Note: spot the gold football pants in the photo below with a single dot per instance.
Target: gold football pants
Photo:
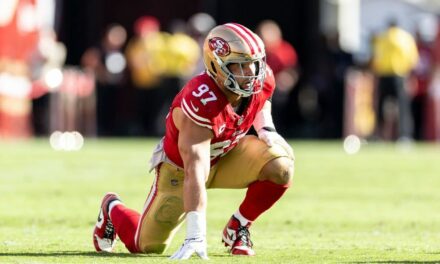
(163, 211)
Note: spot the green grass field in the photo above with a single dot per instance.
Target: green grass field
(381, 205)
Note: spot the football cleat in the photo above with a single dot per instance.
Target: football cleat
(104, 235)
(237, 238)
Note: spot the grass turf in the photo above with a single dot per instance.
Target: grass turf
(381, 205)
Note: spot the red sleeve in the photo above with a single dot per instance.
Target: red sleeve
(200, 104)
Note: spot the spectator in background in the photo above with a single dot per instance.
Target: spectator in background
(47, 60)
(334, 65)
(139, 52)
(199, 26)
(184, 51)
(157, 60)
(394, 56)
(181, 54)
(18, 42)
(420, 79)
(282, 58)
(433, 94)
(146, 66)
(108, 64)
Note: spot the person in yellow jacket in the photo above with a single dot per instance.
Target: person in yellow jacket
(394, 56)
(157, 60)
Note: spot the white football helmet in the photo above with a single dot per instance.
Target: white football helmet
(234, 43)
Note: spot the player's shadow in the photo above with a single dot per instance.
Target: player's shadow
(91, 254)
(79, 253)
(397, 262)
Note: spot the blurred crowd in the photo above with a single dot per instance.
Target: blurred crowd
(125, 84)
(407, 86)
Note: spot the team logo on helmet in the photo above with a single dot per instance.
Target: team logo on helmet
(219, 46)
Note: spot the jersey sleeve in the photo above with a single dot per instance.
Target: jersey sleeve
(194, 105)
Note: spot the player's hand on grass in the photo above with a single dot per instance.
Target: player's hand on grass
(191, 246)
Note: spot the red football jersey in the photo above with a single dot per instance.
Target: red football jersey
(206, 105)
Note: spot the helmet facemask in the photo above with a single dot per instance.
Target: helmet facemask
(254, 83)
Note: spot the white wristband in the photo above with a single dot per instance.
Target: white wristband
(195, 224)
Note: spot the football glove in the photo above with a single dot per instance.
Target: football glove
(191, 246)
(272, 138)
(195, 241)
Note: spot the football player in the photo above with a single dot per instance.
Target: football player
(206, 146)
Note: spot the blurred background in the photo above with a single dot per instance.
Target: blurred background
(109, 68)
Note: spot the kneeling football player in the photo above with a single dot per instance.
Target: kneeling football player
(206, 146)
